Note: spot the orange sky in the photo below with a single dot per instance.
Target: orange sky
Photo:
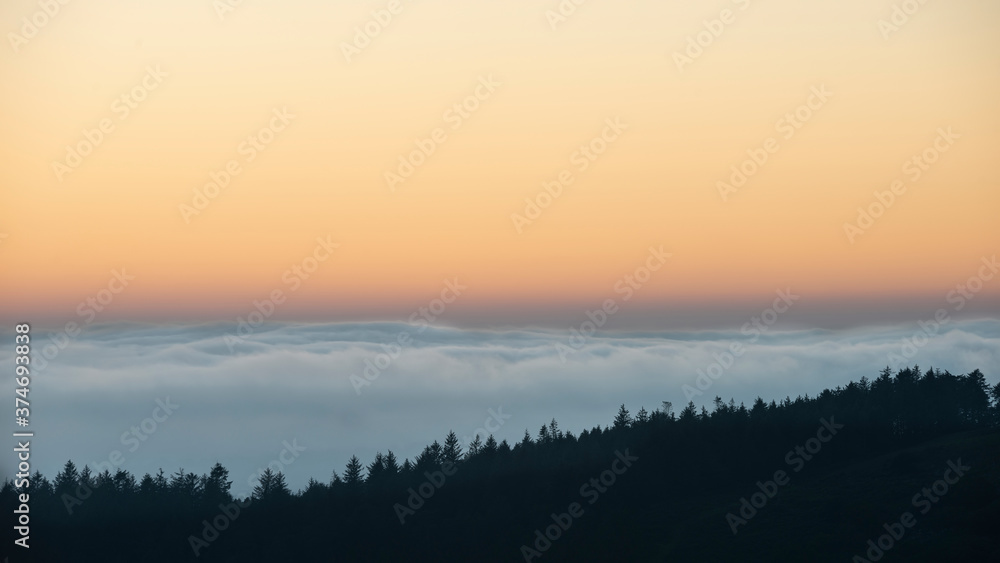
(222, 78)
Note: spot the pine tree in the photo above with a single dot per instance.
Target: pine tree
(40, 486)
(474, 447)
(688, 414)
(177, 481)
(543, 435)
(281, 490)
(376, 469)
(353, 476)
(436, 452)
(622, 420)
(642, 417)
(160, 481)
(315, 488)
(123, 482)
(977, 392)
(67, 479)
(187, 485)
(429, 459)
(526, 441)
(720, 407)
(265, 485)
(554, 432)
(452, 448)
(271, 486)
(216, 484)
(490, 447)
(86, 480)
(147, 486)
(668, 409)
(104, 480)
(391, 466)
(504, 447)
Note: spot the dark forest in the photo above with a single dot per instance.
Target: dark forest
(823, 478)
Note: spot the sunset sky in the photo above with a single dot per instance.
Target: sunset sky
(546, 87)
(501, 173)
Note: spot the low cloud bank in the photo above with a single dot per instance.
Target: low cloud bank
(357, 388)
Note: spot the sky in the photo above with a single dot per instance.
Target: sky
(530, 205)
(504, 99)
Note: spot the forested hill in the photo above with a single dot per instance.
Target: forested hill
(905, 467)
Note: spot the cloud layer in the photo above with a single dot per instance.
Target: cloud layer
(240, 401)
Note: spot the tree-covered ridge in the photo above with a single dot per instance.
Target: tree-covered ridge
(484, 502)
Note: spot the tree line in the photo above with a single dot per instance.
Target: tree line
(482, 502)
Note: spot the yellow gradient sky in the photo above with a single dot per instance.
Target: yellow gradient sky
(324, 174)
